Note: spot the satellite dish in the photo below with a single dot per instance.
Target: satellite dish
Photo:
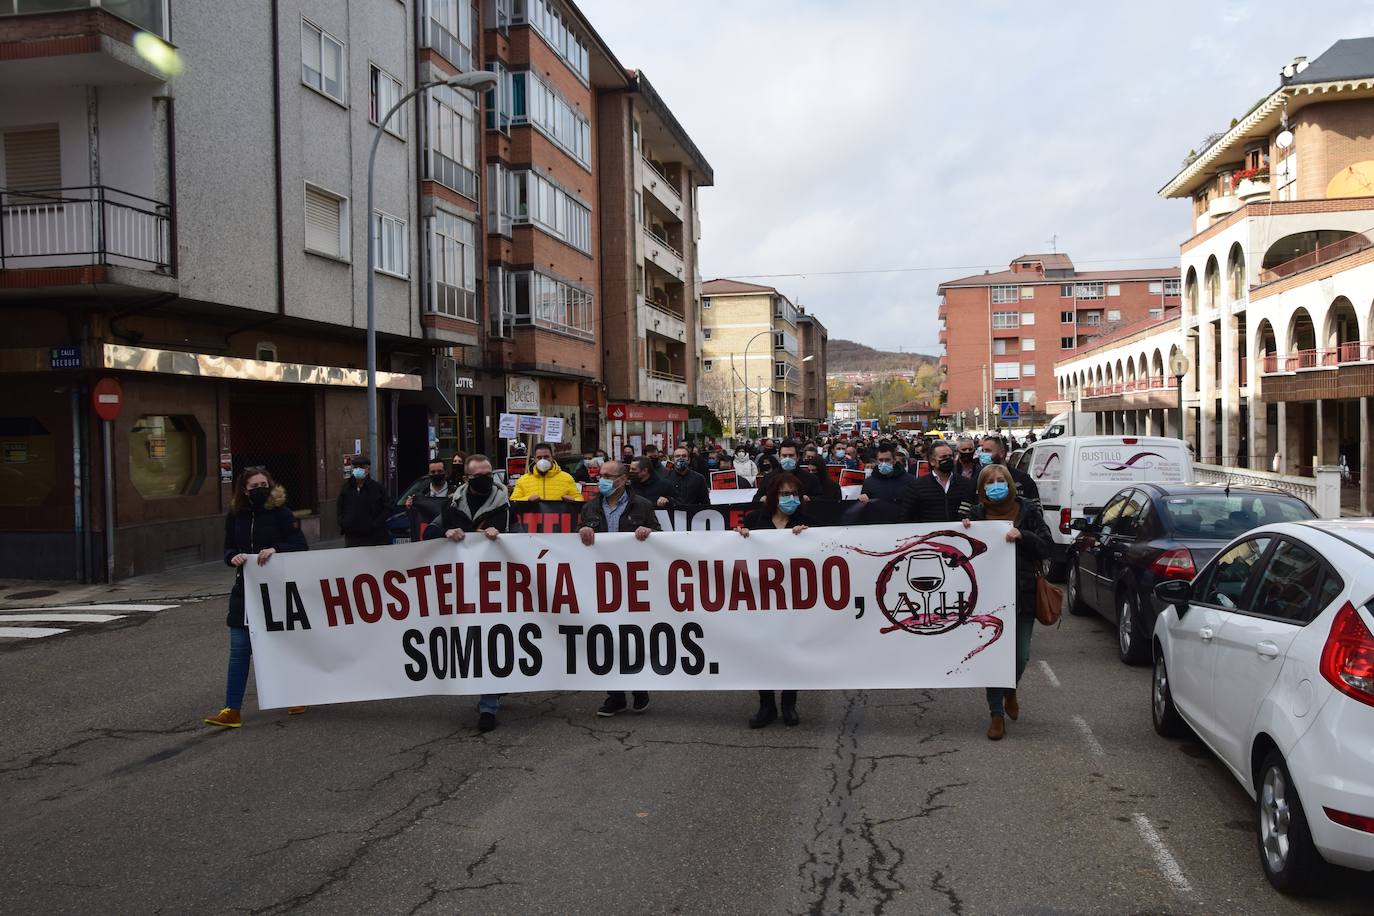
(1284, 139)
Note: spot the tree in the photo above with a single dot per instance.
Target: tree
(714, 391)
(836, 390)
(885, 395)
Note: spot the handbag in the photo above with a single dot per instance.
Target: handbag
(1049, 601)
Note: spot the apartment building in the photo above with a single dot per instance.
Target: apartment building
(650, 280)
(751, 337)
(1003, 332)
(1278, 286)
(814, 365)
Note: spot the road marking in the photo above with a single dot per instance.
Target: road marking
(1164, 860)
(1049, 673)
(29, 632)
(1094, 745)
(146, 608)
(60, 618)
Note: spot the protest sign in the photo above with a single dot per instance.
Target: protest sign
(724, 480)
(530, 426)
(515, 467)
(887, 606)
(849, 477)
(553, 429)
(834, 470)
(506, 426)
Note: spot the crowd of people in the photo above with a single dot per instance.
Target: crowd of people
(906, 479)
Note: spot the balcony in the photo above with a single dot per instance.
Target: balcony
(1316, 257)
(658, 252)
(1250, 190)
(77, 42)
(944, 336)
(662, 189)
(83, 226)
(1360, 351)
(659, 318)
(1218, 207)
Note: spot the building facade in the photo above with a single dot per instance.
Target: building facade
(1003, 332)
(1278, 286)
(815, 340)
(752, 358)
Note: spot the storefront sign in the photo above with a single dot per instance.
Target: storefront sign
(530, 426)
(522, 394)
(553, 429)
(645, 412)
(507, 426)
(881, 607)
(64, 357)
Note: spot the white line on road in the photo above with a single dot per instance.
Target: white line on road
(1164, 860)
(1049, 673)
(28, 632)
(1094, 745)
(5, 617)
(146, 608)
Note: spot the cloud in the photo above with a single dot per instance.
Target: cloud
(867, 134)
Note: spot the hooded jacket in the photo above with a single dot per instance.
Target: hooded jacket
(493, 513)
(555, 485)
(250, 530)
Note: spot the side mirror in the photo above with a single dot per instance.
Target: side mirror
(1079, 524)
(1175, 591)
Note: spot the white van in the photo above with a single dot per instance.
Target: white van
(1073, 423)
(1076, 475)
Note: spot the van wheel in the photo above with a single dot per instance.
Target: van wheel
(1289, 857)
(1076, 605)
(1132, 645)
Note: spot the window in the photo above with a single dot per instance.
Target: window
(165, 456)
(1004, 395)
(453, 267)
(321, 61)
(534, 102)
(705, 302)
(385, 92)
(1111, 514)
(999, 347)
(392, 244)
(553, 26)
(1156, 287)
(1006, 319)
(450, 30)
(32, 161)
(1027, 344)
(1113, 314)
(1289, 588)
(326, 222)
(539, 201)
(1089, 291)
(1157, 312)
(1066, 343)
(706, 333)
(1027, 369)
(545, 302)
(1092, 319)
(498, 99)
(1223, 585)
(500, 302)
(1066, 317)
(1113, 289)
(266, 351)
(28, 462)
(1028, 292)
(1004, 294)
(500, 199)
(1172, 287)
(707, 365)
(1027, 318)
(451, 156)
(781, 370)
(1066, 291)
(1006, 370)
(1028, 397)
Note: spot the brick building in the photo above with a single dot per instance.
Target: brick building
(1003, 332)
(814, 366)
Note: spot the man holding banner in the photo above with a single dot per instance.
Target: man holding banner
(619, 510)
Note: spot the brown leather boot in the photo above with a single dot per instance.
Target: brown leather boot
(1012, 707)
(997, 728)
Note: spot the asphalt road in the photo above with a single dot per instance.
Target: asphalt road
(116, 799)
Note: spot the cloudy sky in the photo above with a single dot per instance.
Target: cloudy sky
(854, 135)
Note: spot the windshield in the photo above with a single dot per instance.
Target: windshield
(1216, 516)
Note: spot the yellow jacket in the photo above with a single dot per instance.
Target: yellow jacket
(555, 485)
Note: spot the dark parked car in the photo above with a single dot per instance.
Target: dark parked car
(1148, 533)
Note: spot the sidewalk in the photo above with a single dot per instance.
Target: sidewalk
(204, 580)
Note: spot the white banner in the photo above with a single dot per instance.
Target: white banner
(890, 606)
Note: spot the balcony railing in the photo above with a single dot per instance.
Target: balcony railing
(1355, 351)
(667, 182)
(146, 14)
(1157, 383)
(665, 376)
(1348, 245)
(68, 227)
(663, 307)
(662, 241)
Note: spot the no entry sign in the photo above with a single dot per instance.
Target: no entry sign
(107, 399)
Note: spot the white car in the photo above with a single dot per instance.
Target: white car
(1268, 656)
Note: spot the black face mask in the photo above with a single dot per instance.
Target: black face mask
(481, 484)
(258, 496)
(945, 464)
(438, 479)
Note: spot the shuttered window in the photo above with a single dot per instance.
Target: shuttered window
(324, 222)
(32, 160)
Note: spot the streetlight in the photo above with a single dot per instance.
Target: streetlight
(747, 392)
(477, 80)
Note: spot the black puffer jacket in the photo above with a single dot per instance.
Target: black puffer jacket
(251, 530)
(1033, 547)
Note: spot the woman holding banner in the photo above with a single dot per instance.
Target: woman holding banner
(781, 508)
(999, 501)
(830, 488)
(258, 525)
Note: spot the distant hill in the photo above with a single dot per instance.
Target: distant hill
(852, 356)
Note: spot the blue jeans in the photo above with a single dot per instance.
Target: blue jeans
(240, 654)
(490, 702)
(1024, 624)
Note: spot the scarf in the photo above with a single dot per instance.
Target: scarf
(1008, 510)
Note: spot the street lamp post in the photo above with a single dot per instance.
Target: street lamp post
(477, 80)
(747, 392)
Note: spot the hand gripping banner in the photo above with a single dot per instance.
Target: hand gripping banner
(883, 606)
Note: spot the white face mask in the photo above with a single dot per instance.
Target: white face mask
(543, 464)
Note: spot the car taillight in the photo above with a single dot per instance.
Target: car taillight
(1174, 564)
(1348, 656)
(1065, 520)
(1353, 821)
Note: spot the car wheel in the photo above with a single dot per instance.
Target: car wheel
(1076, 605)
(1168, 723)
(1057, 571)
(1289, 857)
(1131, 643)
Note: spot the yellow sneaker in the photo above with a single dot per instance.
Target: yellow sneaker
(294, 710)
(227, 718)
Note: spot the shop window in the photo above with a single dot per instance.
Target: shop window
(165, 456)
(28, 463)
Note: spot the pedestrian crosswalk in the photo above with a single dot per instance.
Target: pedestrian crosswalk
(66, 618)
